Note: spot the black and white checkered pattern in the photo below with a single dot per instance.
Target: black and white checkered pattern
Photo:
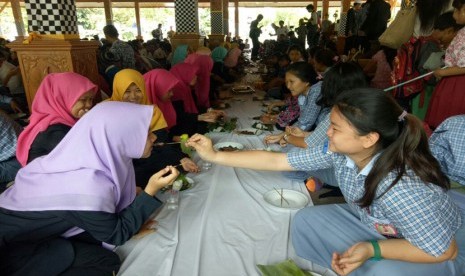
(217, 22)
(186, 16)
(342, 25)
(225, 26)
(52, 16)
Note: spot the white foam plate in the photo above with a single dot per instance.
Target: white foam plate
(243, 89)
(252, 130)
(295, 199)
(218, 146)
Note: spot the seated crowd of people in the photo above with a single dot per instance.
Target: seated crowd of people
(393, 155)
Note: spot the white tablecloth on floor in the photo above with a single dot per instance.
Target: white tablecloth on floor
(223, 226)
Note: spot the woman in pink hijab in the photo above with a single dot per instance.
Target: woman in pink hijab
(232, 58)
(192, 122)
(202, 88)
(159, 85)
(187, 74)
(61, 100)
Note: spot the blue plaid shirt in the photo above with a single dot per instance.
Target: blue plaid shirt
(319, 136)
(310, 112)
(448, 146)
(421, 213)
(9, 131)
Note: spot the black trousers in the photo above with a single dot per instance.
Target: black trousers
(255, 47)
(58, 257)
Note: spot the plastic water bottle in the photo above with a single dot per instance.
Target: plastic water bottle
(173, 199)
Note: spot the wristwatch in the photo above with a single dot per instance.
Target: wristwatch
(285, 137)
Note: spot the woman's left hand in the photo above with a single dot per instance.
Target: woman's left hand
(189, 166)
(147, 228)
(353, 258)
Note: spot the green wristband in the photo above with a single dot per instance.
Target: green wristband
(377, 256)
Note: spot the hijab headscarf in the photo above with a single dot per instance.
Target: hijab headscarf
(180, 54)
(202, 88)
(184, 72)
(158, 83)
(203, 51)
(123, 79)
(219, 53)
(55, 97)
(90, 169)
(233, 56)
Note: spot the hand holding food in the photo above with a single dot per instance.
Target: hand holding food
(161, 179)
(203, 146)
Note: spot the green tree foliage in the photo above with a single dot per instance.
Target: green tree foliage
(86, 17)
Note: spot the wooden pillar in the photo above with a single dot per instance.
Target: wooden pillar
(217, 35)
(57, 49)
(137, 8)
(108, 13)
(16, 8)
(225, 17)
(187, 24)
(236, 18)
(325, 8)
(315, 4)
(345, 6)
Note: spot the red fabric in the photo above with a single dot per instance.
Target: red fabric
(448, 100)
(159, 82)
(185, 72)
(202, 88)
(52, 104)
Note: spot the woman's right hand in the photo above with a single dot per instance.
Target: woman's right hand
(273, 139)
(161, 179)
(203, 145)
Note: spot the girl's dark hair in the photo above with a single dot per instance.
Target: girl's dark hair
(325, 57)
(342, 76)
(429, 11)
(446, 21)
(458, 4)
(312, 51)
(303, 71)
(110, 30)
(403, 144)
(297, 48)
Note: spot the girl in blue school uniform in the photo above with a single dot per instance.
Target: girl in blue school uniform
(398, 219)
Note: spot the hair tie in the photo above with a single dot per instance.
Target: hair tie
(402, 116)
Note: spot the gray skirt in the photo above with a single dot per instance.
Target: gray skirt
(318, 231)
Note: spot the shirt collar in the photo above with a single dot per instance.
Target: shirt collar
(366, 170)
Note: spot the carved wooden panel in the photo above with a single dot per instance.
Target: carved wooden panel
(36, 65)
(45, 56)
(85, 63)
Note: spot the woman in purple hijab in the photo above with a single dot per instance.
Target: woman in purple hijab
(66, 205)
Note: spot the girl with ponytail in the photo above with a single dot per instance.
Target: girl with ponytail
(398, 219)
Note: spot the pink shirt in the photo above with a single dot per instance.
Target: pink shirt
(455, 53)
(382, 78)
